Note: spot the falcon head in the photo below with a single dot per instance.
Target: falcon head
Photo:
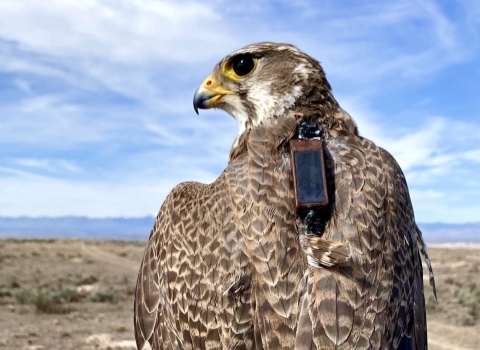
(263, 81)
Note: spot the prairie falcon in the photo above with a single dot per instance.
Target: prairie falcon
(235, 265)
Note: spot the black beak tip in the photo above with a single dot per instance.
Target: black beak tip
(197, 102)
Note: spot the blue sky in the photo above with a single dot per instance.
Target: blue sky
(96, 114)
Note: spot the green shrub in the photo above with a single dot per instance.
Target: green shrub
(23, 296)
(6, 256)
(466, 294)
(87, 280)
(44, 299)
(68, 295)
(48, 300)
(469, 297)
(109, 296)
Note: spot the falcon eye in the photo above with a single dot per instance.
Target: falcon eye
(243, 64)
(239, 66)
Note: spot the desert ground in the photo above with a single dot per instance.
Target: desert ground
(70, 294)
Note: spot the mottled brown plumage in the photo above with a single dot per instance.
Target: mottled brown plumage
(231, 265)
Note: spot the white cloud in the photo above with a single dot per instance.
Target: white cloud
(47, 121)
(411, 147)
(56, 165)
(428, 194)
(115, 42)
(128, 32)
(473, 155)
(128, 190)
(41, 103)
(22, 85)
(44, 196)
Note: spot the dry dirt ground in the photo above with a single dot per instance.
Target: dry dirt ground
(67, 294)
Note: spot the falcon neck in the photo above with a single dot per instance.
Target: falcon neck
(317, 102)
(317, 105)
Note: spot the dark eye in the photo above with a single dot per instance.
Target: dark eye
(243, 64)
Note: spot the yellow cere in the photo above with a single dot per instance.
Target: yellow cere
(211, 84)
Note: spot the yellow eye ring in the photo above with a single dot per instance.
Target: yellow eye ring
(240, 66)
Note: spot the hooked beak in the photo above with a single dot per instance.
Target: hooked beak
(208, 94)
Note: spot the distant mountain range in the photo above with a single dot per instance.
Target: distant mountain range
(139, 229)
(77, 227)
(441, 232)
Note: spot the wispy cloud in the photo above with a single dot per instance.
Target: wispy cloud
(127, 32)
(57, 165)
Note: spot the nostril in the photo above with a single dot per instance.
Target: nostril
(208, 83)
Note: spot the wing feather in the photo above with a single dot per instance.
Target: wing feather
(193, 254)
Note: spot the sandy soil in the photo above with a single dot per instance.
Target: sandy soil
(79, 295)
